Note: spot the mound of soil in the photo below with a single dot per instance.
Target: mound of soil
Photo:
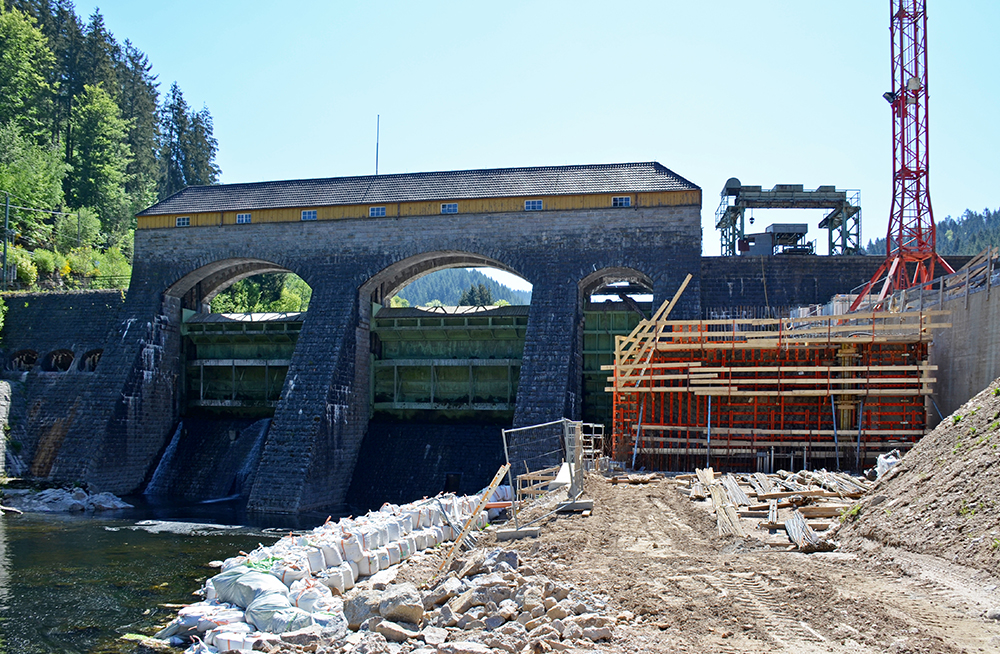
(943, 498)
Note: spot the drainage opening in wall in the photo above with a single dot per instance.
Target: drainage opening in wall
(452, 482)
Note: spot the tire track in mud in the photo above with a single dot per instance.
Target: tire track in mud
(758, 600)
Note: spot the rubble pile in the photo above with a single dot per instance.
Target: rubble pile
(334, 590)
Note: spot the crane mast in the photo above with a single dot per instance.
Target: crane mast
(910, 243)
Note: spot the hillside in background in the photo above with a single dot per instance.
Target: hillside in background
(970, 234)
(447, 286)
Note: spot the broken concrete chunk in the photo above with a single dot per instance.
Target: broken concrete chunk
(443, 592)
(361, 607)
(395, 632)
(463, 647)
(372, 643)
(494, 621)
(597, 633)
(434, 635)
(402, 603)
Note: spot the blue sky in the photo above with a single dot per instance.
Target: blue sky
(769, 92)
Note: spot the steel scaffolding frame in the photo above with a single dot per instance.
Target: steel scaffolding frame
(729, 393)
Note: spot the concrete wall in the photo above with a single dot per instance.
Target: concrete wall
(967, 354)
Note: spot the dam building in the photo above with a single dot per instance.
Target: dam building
(353, 401)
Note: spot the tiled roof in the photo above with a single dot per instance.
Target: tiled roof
(416, 187)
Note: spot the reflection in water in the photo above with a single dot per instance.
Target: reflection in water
(77, 583)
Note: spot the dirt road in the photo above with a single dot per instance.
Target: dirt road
(653, 553)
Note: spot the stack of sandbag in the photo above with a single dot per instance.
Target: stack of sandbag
(293, 583)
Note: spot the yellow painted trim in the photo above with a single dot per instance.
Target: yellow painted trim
(430, 208)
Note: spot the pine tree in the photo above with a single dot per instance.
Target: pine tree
(100, 159)
(26, 65)
(187, 145)
(137, 98)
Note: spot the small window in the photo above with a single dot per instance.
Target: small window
(243, 218)
(449, 207)
(621, 201)
(376, 212)
(532, 205)
(308, 214)
(183, 221)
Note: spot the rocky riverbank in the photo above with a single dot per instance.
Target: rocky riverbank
(61, 500)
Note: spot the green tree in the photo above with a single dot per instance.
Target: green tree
(187, 145)
(477, 295)
(138, 98)
(100, 159)
(33, 174)
(25, 66)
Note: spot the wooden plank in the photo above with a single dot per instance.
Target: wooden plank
(831, 511)
(803, 493)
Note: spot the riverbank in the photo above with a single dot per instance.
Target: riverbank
(648, 563)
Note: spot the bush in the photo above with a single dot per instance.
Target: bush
(45, 261)
(86, 224)
(82, 261)
(27, 273)
(111, 269)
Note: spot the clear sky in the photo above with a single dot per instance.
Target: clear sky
(766, 91)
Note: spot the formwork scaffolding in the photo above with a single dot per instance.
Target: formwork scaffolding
(755, 394)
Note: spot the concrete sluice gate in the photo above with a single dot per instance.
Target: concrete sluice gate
(364, 402)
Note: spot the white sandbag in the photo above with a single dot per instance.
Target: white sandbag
(242, 586)
(394, 553)
(290, 571)
(368, 565)
(383, 558)
(316, 559)
(349, 571)
(351, 547)
(332, 578)
(392, 529)
(383, 534)
(226, 641)
(233, 562)
(210, 593)
(310, 596)
(332, 554)
(355, 569)
(264, 608)
(407, 546)
(405, 523)
(421, 538)
(224, 615)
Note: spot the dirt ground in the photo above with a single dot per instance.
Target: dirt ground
(651, 553)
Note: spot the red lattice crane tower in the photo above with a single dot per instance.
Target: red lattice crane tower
(910, 242)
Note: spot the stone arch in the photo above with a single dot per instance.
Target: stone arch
(89, 360)
(598, 279)
(58, 361)
(394, 277)
(196, 289)
(23, 360)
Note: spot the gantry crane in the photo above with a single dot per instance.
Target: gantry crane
(910, 243)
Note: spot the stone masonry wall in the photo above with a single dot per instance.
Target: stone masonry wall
(118, 424)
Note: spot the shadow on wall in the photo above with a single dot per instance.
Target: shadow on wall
(402, 462)
(209, 459)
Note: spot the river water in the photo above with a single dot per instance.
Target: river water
(71, 583)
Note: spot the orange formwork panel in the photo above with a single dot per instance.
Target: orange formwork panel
(733, 394)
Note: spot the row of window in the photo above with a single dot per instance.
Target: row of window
(379, 212)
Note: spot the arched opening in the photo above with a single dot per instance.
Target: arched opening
(443, 378)
(57, 361)
(89, 361)
(240, 322)
(23, 360)
(613, 301)
(447, 337)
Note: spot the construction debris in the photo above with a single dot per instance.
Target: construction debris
(746, 504)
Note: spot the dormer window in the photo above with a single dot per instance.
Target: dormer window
(183, 221)
(376, 212)
(532, 205)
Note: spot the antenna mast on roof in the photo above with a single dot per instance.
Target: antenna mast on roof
(377, 119)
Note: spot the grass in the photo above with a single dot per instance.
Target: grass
(851, 513)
